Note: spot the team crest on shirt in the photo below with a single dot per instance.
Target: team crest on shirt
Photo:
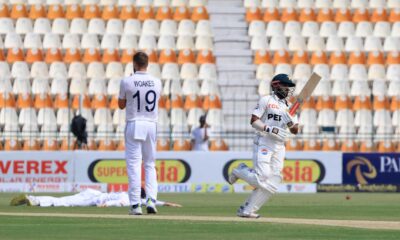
(264, 151)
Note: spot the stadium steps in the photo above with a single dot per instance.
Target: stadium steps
(236, 72)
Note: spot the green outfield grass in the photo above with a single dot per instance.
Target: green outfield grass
(362, 206)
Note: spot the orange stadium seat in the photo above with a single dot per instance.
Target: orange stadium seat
(3, 11)
(311, 145)
(163, 144)
(37, 11)
(262, 56)
(394, 103)
(300, 57)
(50, 144)
(106, 145)
(24, 101)
(145, 13)
(53, 55)
(186, 56)
(163, 13)
(330, 145)
(1, 146)
(324, 15)
(67, 144)
(281, 57)
(385, 146)
(349, 146)
(18, 11)
(375, 58)
(367, 146)
(181, 13)
(34, 55)
(360, 15)
(72, 55)
(337, 58)
(205, 56)
(127, 12)
(309, 103)
(30, 145)
(2, 58)
(177, 102)
(393, 58)
(12, 145)
(379, 15)
(120, 145)
(153, 58)
(362, 102)
(289, 14)
(113, 103)
(85, 102)
(167, 56)
(162, 102)
(43, 101)
(99, 101)
(211, 101)
(380, 102)
(7, 100)
(394, 16)
(343, 102)
(253, 14)
(110, 55)
(307, 15)
(271, 14)
(61, 101)
(127, 56)
(55, 11)
(192, 101)
(91, 11)
(199, 13)
(343, 15)
(182, 145)
(73, 11)
(110, 12)
(318, 57)
(324, 102)
(218, 145)
(356, 58)
(91, 55)
(15, 55)
(294, 145)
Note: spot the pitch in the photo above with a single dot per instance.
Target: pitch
(212, 216)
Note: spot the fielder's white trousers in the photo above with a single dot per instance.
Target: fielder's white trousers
(140, 143)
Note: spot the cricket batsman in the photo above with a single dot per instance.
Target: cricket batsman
(271, 119)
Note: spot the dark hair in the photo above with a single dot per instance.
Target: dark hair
(141, 59)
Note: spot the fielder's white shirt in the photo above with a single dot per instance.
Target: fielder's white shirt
(198, 137)
(273, 112)
(142, 92)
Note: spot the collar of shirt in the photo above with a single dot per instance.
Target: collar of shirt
(140, 72)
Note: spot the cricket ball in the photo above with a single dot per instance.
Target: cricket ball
(348, 197)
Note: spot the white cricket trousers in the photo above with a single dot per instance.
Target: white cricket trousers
(140, 143)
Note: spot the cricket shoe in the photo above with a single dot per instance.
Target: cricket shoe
(136, 210)
(233, 177)
(21, 199)
(242, 213)
(151, 206)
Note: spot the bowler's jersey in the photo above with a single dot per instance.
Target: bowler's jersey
(273, 112)
(142, 93)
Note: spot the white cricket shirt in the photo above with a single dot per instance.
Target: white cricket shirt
(273, 112)
(198, 137)
(142, 92)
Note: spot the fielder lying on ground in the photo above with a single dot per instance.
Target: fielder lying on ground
(86, 198)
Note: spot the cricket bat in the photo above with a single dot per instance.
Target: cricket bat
(305, 93)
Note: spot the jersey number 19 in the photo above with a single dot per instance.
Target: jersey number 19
(150, 98)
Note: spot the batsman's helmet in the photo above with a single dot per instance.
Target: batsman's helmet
(282, 86)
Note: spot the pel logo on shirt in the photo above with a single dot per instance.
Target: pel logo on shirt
(276, 117)
(33, 167)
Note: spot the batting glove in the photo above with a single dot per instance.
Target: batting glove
(277, 132)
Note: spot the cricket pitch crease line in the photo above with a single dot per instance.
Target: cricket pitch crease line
(387, 225)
